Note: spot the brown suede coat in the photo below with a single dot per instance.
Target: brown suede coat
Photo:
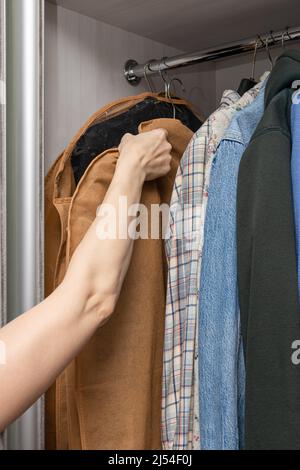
(110, 395)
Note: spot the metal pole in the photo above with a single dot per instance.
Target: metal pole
(3, 309)
(25, 25)
(134, 71)
(2, 164)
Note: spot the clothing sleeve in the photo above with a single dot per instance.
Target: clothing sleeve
(219, 333)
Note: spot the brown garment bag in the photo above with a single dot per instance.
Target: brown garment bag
(110, 396)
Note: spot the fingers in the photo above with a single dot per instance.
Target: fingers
(160, 164)
(161, 136)
(158, 136)
(125, 139)
(159, 167)
(163, 146)
(162, 133)
(166, 161)
(151, 151)
(166, 148)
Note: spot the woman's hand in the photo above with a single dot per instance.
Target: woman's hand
(149, 154)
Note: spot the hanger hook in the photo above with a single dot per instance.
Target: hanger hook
(147, 68)
(169, 92)
(170, 97)
(176, 80)
(272, 36)
(268, 51)
(258, 39)
(282, 39)
(163, 75)
(287, 34)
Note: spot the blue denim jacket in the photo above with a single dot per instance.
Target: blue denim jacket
(295, 167)
(221, 359)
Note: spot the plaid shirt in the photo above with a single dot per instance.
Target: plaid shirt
(180, 397)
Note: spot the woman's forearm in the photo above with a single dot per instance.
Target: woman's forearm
(104, 245)
(41, 343)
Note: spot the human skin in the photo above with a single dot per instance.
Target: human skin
(43, 341)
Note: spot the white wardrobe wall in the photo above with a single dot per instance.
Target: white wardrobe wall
(83, 70)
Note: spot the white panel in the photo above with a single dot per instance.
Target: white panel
(84, 62)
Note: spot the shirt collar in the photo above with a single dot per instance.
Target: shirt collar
(245, 121)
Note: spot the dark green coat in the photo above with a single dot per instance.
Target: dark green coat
(267, 272)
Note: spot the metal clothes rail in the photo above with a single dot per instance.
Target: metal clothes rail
(134, 72)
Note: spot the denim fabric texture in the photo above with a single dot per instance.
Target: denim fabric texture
(295, 166)
(221, 358)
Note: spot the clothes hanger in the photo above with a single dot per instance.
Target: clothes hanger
(248, 83)
(148, 81)
(272, 37)
(164, 77)
(170, 95)
(167, 84)
(268, 51)
(176, 79)
(282, 40)
(285, 33)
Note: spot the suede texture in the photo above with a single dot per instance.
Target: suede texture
(110, 396)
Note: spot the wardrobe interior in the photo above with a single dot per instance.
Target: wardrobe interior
(87, 44)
